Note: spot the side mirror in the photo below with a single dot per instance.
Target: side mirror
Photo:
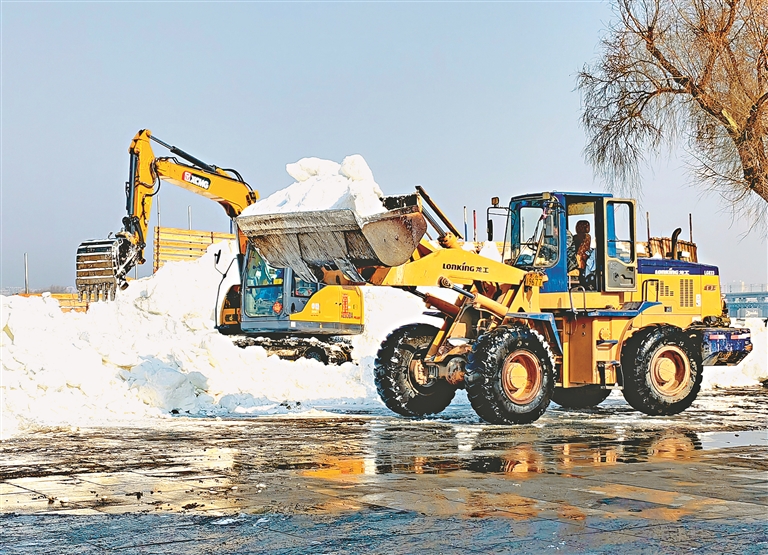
(217, 256)
(490, 229)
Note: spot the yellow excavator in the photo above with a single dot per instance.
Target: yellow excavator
(271, 306)
(569, 313)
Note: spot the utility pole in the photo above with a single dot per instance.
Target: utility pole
(26, 275)
(189, 218)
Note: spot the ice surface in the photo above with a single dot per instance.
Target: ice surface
(324, 185)
(154, 350)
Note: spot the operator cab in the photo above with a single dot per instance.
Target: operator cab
(579, 240)
(271, 294)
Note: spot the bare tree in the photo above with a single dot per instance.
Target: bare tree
(695, 70)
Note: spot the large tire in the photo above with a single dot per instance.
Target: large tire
(510, 376)
(394, 373)
(662, 371)
(580, 397)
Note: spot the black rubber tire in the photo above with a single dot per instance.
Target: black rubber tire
(580, 397)
(485, 382)
(394, 382)
(637, 362)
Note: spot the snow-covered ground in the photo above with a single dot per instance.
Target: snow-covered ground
(154, 350)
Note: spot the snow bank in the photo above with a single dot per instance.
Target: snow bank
(325, 185)
(488, 249)
(753, 370)
(154, 351)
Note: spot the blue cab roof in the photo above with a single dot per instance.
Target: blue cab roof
(561, 194)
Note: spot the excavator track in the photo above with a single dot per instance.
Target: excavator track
(334, 351)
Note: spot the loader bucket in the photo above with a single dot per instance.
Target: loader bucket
(338, 239)
(101, 267)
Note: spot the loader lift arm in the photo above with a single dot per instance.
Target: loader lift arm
(102, 265)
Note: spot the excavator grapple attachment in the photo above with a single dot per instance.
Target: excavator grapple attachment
(101, 267)
(338, 239)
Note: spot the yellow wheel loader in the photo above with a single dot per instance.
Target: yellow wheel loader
(272, 306)
(568, 313)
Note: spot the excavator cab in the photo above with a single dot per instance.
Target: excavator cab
(578, 240)
(273, 300)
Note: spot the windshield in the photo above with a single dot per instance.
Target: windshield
(263, 287)
(533, 233)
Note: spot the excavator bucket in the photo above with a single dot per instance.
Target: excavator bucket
(101, 267)
(338, 239)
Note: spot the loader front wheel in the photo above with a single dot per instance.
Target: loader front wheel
(662, 371)
(402, 379)
(510, 376)
(580, 397)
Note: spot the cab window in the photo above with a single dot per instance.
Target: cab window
(303, 288)
(619, 231)
(534, 232)
(263, 287)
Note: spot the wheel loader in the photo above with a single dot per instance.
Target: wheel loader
(568, 313)
(271, 307)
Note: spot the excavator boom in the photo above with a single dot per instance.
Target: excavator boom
(103, 264)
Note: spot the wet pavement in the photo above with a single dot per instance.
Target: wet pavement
(592, 481)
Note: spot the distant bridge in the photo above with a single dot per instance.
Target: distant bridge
(748, 304)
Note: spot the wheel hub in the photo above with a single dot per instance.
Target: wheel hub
(671, 371)
(521, 377)
(420, 372)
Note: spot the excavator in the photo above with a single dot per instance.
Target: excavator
(570, 312)
(271, 306)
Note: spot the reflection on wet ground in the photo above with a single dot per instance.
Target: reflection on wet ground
(576, 481)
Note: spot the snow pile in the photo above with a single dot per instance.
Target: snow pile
(488, 249)
(154, 351)
(753, 370)
(325, 185)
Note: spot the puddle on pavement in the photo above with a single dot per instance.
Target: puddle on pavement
(722, 440)
(487, 453)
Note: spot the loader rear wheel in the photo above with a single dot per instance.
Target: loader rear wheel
(580, 397)
(402, 379)
(662, 371)
(510, 376)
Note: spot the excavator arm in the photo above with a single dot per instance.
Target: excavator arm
(102, 265)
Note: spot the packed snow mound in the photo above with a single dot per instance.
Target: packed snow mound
(488, 249)
(154, 351)
(753, 370)
(325, 185)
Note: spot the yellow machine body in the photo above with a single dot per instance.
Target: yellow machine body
(103, 265)
(569, 311)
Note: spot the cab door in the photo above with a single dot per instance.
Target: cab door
(619, 256)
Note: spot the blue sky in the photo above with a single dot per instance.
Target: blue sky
(470, 100)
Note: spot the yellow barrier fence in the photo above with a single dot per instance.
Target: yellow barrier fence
(172, 244)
